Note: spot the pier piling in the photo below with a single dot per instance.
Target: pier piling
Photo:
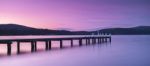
(32, 46)
(80, 42)
(50, 45)
(8, 48)
(71, 42)
(35, 46)
(46, 45)
(18, 47)
(61, 44)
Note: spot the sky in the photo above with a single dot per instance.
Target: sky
(75, 14)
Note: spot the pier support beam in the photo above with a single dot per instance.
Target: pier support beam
(9, 48)
(50, 45)
(46, 45)
(89, 41)
(18, 47)
(35, 46)
(92, 41)
(80, 42)
(32, 46)
(61, 44)
(105, 39)
(98, 40)
(86, 41)
(102, 40)
(71, 42)
(109, 39)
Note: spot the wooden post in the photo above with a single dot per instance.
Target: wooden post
(80, 42)
(61, 44)
(92, 41)
(32, 46)
(86, 41)
(103, 40)
(18, 47)
(95, 41)
(110, 39)
(98, 40)
(89, 41)
(50, 45)
(9, 48)
(71, 42)
(35, 46)
(46, 45)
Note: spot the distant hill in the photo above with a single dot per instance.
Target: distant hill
(139, 30)
(14, 29)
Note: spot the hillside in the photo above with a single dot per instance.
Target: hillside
(14, 29)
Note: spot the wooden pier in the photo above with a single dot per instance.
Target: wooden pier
(90, 39)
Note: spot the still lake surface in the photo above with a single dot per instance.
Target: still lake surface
(127, 50)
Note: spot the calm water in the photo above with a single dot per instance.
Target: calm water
(123, 51)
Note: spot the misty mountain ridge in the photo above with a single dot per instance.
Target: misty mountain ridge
(15, 29)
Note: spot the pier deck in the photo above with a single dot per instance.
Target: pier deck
(90, 39)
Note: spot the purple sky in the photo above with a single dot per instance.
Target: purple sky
(75, 14)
